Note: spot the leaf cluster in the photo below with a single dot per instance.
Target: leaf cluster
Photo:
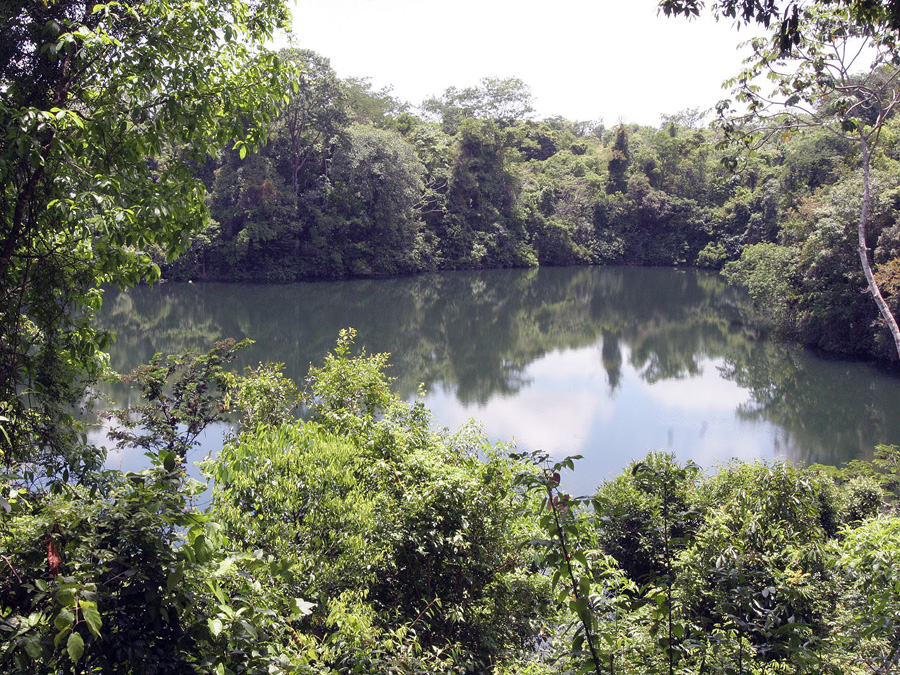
(751, 569)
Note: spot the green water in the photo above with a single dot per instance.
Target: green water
(609, 363)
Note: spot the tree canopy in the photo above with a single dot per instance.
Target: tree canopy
(363, 540)
(785, 15)
(837, 76)
(501, 99)
(106, 111)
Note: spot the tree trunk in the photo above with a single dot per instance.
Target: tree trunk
(864, 251)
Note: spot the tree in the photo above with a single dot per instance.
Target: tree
(315, 112)
(124, 574)
(105, 109)
(376, 186)
(503, 100)
(483, 226)
(816, 86)
(367, 105)
(398, 533)
(866, 13)
(619, 162)
(869, 558)
(258, 232)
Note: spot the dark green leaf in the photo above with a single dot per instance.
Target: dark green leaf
(75, 647)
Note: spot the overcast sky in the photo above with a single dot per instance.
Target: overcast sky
(583, 59)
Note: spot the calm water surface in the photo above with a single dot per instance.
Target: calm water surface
(609, 363)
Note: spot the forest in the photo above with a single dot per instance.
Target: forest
(352, 183)
(150, 139)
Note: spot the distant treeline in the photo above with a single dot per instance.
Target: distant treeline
(353, 183)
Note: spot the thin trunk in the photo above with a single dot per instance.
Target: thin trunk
(567, 561)
(670, 649)
(890, 663)
(864, 251)
(18, 227)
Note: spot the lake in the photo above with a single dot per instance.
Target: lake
(608, 363)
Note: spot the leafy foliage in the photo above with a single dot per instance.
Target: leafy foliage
(365, 541)
(362, 540)
(504, 100)
(392, 529)
(814, 85)
(753, 569)
(128, 576)
(105, 111)
(182, 395)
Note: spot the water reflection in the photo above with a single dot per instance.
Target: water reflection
(606, 362)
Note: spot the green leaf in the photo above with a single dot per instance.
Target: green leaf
(75, 647)
(33, 647)
(168, 460)
(65, 619)
(251, 631)
(203, 549)
(91, 616)
(580, 557)
(215, 626)
(60, 636)
(175, 577)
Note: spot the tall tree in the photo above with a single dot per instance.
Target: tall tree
(483, 226)
(370, 106)
(502, 100)
(619, 161)
(315, 112)
(817, 84)
(376, 186)
(256, 212)
(105, 109)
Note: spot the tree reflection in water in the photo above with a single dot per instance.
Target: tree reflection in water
(481, 341)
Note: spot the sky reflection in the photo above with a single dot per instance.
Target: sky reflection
(567, 407)
(609, 363)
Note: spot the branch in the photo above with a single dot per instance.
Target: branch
(16, 574)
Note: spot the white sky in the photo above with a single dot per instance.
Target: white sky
(583, 59)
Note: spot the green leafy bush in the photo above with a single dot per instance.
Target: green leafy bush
(392, 529)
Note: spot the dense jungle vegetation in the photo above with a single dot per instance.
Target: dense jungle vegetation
(353, 183)
(362, 540)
